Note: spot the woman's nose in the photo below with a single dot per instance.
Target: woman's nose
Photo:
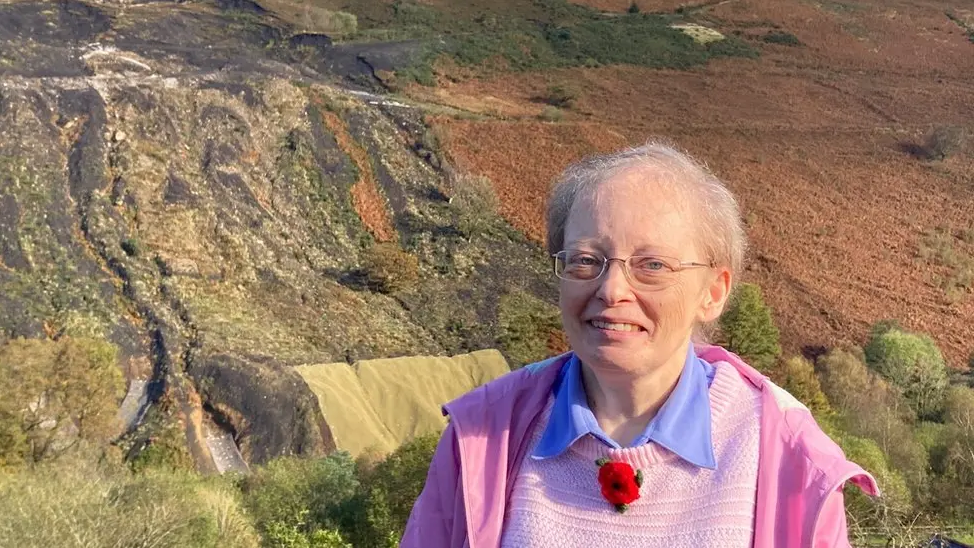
(614, 286)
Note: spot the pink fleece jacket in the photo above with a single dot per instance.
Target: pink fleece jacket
(801, 471)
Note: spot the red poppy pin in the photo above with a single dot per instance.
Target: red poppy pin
(620, 484)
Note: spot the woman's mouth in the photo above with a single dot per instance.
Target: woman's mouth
(613, 326)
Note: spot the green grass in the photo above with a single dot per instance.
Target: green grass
(526, 324)
(539, 35)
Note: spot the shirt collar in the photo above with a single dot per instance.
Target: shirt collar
(682, 424)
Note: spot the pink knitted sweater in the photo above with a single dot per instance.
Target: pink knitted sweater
(556, 502)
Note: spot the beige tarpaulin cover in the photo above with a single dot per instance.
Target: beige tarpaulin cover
(379, 404)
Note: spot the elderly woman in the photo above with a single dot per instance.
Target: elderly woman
(639, 436)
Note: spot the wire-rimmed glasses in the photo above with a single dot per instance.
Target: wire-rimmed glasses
(642, 271)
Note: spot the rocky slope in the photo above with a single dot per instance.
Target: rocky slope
(200, 187)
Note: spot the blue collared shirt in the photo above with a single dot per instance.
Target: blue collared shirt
(682, 424)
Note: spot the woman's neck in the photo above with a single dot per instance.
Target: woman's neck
(625, 402)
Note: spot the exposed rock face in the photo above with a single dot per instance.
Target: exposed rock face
(173, 180)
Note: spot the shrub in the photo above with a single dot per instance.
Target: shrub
(378, 516)
(561, 95)
(748, 329)
(552, 114)
(942, 141)
(912, 363)
(55, 392)
(526, 327)
(165, 451)
(937, 246)
(389, 269)
(80, 503)
(475, 203)
(292, 496)
(797, 376)
(782, 38)
(340, 23)
(633, 8)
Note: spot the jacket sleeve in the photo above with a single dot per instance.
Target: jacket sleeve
(831, 530)
(438, 519)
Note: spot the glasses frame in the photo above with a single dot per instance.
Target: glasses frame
(681, 265)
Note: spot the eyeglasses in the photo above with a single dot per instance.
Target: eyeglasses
(642, 271)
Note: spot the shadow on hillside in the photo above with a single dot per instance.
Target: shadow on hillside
(916, 150)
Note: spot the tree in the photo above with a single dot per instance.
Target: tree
(869, 407)
(748, 328)
(55, 393)
(959, 414)
(913, 363)
(797, 376)
(896, 502)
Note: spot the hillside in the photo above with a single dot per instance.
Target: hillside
(228, 189)
(238, 233)
(196, 185)
(821, 137)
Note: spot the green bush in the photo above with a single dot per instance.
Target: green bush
(166, 450)
(797, 376)
(527, 325)
(913, 363)
(389, 269)
(377, 519)
(748, 329)
(292, 497)
(633, 8)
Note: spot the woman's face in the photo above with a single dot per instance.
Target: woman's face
(612, 324)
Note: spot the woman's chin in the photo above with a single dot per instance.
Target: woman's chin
(615, 356)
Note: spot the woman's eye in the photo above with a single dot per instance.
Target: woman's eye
(584, 260)
(650, 265)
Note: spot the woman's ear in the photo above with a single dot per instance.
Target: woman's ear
(715, 296)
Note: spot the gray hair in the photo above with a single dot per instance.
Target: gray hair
(720, 230)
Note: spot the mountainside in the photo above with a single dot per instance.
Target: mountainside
(227, 189)
(844, 140)
(174, 179)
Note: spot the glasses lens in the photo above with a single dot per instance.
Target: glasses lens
(652, 271)
(578, 265)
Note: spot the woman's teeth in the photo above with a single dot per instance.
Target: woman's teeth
(615, 326)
